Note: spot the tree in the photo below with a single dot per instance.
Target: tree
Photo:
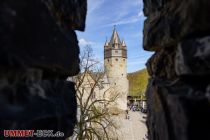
(95, 98)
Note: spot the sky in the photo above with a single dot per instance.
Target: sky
(128, 17)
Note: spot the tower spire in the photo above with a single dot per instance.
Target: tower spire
(115, 37)
(115, 65)
(106, 43)
(123, 43)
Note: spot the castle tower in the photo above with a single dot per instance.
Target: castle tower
(115, 64)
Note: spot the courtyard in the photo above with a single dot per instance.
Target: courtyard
(133, 128)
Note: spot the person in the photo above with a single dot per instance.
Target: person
(126, 114)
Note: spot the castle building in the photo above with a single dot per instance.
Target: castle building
(115, 65)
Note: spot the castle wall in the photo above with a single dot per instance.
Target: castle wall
(178, 92)
(39, 50)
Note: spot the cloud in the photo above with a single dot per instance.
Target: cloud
(140, 14)
(83, 42)
(93, 5)
(124, 21)
(127, 7)
(102, 15)
(117, 13)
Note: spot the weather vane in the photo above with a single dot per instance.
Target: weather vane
(115, 26)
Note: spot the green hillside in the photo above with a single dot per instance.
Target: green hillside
(138, 82)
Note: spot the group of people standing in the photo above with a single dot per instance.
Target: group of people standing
(132, 107)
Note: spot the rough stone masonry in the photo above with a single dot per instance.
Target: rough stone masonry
(178, 32)
(38, 50)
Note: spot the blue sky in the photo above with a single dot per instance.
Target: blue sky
(128, 17)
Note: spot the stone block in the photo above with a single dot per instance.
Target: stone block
(28, 102)
(169, 22)
(177, 112)
(161, 64)
(193, 57)
(31, 36)
(69, 14)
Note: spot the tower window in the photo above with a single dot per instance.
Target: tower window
(123, 59)
(108, 60)
(116, 59)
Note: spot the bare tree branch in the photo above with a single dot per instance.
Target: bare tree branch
(94, 119)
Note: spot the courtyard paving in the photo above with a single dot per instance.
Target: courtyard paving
(134, 128)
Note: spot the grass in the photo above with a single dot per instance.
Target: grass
(138, 82)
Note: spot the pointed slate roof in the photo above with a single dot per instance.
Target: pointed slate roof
(115, 37)
(123, 43)
(106, 43)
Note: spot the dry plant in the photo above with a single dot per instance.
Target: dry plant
(94, 101)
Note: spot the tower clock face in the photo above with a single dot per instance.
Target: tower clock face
(116, 52)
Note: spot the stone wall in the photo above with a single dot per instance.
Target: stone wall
(38, 51)
(178, 32)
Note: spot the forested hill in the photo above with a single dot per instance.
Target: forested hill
(138, 82)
